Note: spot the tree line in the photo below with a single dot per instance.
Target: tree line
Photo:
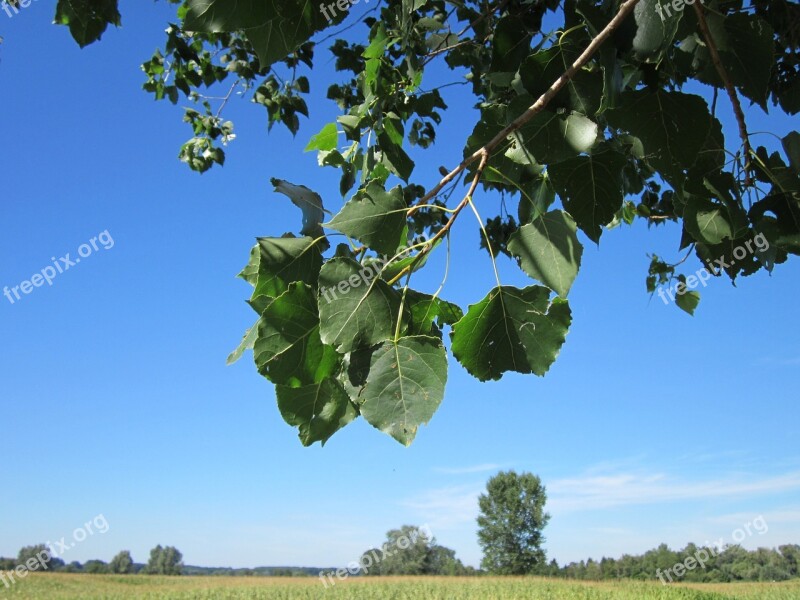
(732, 563)
(510, 531)
(163, 561)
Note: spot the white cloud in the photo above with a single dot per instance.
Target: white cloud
(449, 507)
(592, 492)
(784, 515)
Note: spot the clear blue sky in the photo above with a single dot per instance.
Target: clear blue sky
(652, 426)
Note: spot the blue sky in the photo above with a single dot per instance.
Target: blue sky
(652, 426)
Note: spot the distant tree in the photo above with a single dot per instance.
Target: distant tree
(73, 567)
(411, 551)
(95, 567)
(511, 521)
(403, 553)
(39, 555)
(7, 564)
(593, 571)
(121, 564)
(552, 569)
(164, 561)
(791, 558)
(442, 561)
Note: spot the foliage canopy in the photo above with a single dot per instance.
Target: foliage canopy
(588, 119)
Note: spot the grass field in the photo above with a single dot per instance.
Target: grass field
(110, 587)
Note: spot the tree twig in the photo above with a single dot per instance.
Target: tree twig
(726, 80)
(484, 152)
(456, 211)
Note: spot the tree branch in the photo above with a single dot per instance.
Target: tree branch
(443, 231)
(483, 153)
(726, 80)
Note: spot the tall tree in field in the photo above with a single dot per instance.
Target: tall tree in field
(511, 521)
(122, 563)
(165, 561)
(590, 115)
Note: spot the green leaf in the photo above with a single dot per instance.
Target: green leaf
(707, 221)
(688, 301)
(246, 344)
(548, 250)
(582, 94)
(405, 385)
(505, 170)
(511, 329)
(549, 137)
(747, 49)
(425, 309)
(277, 262)
(394, 157)
(535, 199)
(356, 308)
(655, 29)
(377, 45)
(87, 19)
(591, 189)
(325, 140)
(596, 20)
(288, 349)
(673, 128)
(374, 217)
(317, 410)
(511, 43)
(374, 53)
(751, 56)
(275, 28)
(250, 271)
(306, 200)
(791, 145)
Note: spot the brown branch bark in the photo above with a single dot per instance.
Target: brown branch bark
(624, 10)
(726, 80)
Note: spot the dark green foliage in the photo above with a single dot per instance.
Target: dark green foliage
(728, 564)
(121, 564)
(38, 558)
(96, 567)
(621, 140)
(510, 524)
(164, 561)
(410, 551)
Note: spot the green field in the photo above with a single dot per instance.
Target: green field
(108, 587)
